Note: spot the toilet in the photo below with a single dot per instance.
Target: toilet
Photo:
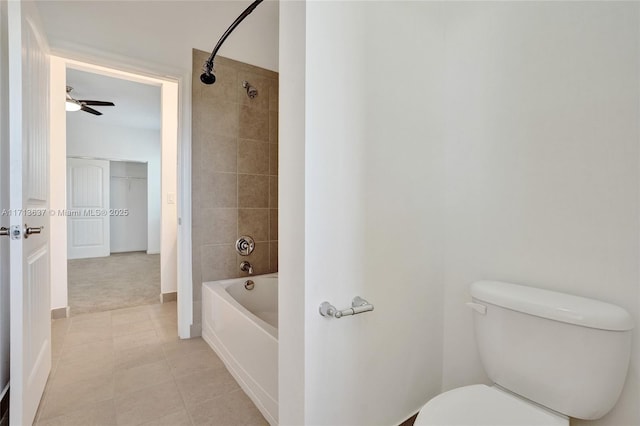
(550, 356)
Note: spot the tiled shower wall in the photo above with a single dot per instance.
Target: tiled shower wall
(235, 170)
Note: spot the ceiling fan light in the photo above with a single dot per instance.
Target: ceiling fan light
(71, 105)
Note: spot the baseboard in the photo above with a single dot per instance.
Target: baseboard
(59, 313)
(168, 297)
(4, 407)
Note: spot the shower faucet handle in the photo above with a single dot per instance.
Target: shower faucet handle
(245, 245)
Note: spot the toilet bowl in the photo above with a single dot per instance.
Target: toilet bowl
(550, 355)
(482, 405)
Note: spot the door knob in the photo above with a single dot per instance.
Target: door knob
(4, 231)
(28, 230)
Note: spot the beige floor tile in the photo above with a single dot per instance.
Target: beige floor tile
(232, 409)
(142, 338)
(194, 362)
(97, 324)
(99, 414)
(138, 355)
(61, 399)
(148, 404)
(60, 326)
(133, 327)
(163, 309)
(131, 310)
(75, 370)
(164, 321)
(205, 385)
(91, 316)
(84, 337)
(183, 347)
(142, 376)
(102, 349)
(168, 334)
(129, 317)
(179, 418)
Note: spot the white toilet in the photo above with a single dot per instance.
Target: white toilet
(550, 355)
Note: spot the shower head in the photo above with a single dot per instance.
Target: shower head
(207, 76)
(252, 92)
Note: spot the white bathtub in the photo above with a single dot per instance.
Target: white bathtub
(242, 328)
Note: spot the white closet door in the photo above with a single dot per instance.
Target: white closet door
(88, 205)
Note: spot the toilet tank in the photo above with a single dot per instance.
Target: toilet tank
(567, 353)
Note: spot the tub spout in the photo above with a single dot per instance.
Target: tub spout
(246, 267)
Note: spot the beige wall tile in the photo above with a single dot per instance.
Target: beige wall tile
(221, 190)
(273, 192)
(255, 123)
(220, 226)
(259, 259)
(273, 259)
(262, 84)
(218, 152)
(253, 191)
(254, 222)
(273, 224)
(253, 157)
(273, 159)
(273, 126)
(217, 116)
(273, 95)
(230, 132)
(225, 87)
(219, 262)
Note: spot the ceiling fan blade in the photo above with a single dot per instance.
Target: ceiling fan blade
(96, 103)
(90, 110)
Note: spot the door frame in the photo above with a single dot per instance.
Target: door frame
(176, 155)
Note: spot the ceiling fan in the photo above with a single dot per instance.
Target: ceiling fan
(73, 104)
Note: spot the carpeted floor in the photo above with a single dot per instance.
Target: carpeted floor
(117, 281)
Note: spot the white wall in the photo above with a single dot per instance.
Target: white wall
(169, 241)
(144, 31)
(403, 199)
(291, 236)
(58, 184)
(372, 170)
(447, 143)
(109, 142)
(4, 200)
(542, 172)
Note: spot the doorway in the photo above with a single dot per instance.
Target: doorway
(141, 165)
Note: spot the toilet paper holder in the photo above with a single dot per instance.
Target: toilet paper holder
(358, 306)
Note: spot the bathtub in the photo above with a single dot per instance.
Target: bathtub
(242, 328)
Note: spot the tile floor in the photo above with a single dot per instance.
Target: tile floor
(128, 367)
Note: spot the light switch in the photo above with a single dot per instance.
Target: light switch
(171, 197)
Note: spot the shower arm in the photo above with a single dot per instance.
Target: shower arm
(207, 76)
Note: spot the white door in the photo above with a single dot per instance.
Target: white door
(88, 208)
(28, 199)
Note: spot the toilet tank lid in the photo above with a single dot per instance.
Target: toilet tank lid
(553, 305)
